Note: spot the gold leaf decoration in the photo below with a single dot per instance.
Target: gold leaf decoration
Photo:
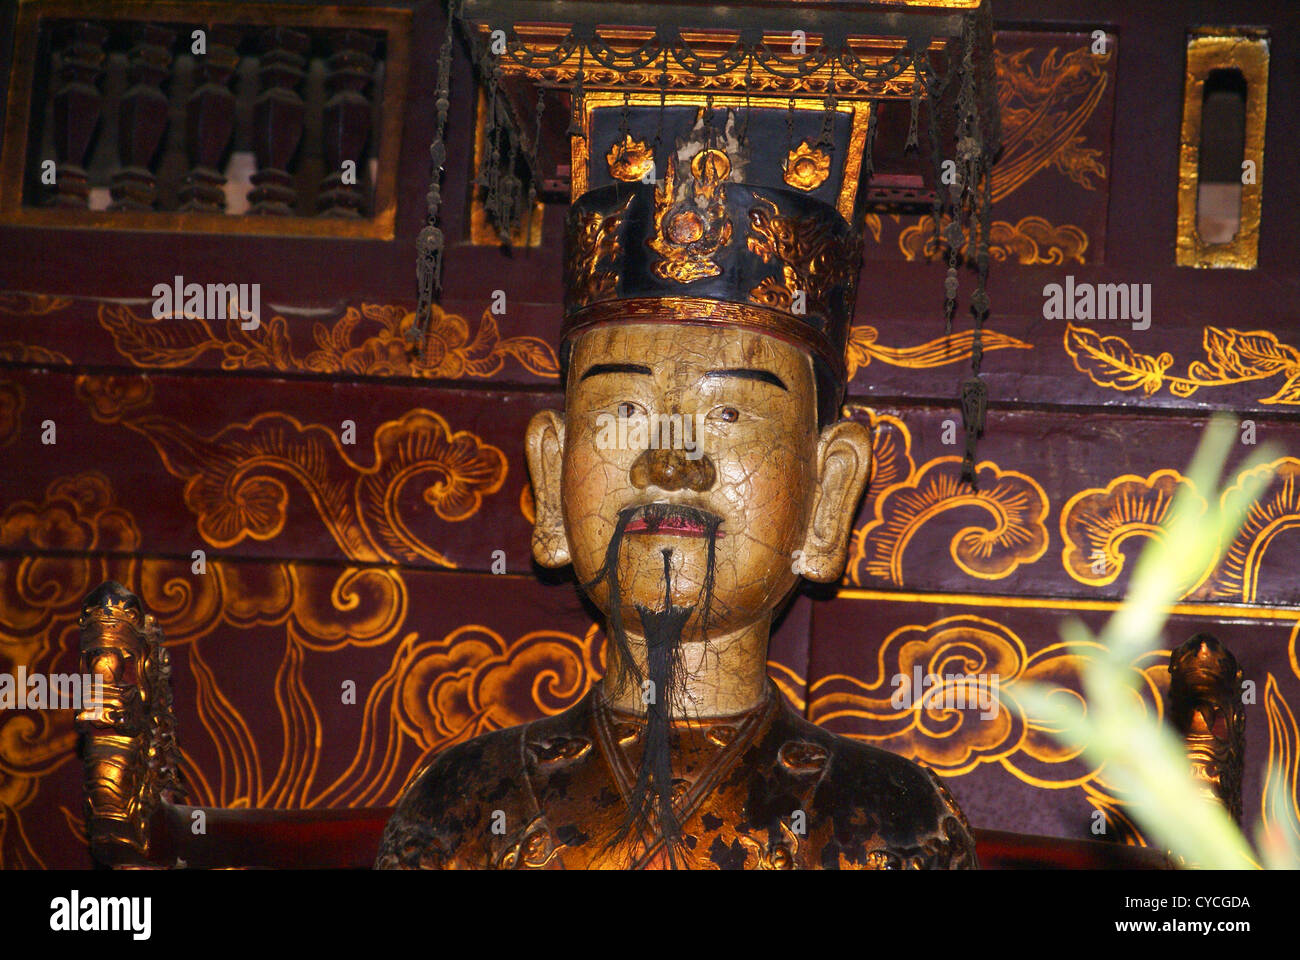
(862, 348)
(806, 167)
(1232, 357)
(630, 160)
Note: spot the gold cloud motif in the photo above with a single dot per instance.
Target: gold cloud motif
(1276, 512)
(236, 480)
(1031, 241)
(455, 688)
(1096, 523)
(951, 741)
(1015, 503)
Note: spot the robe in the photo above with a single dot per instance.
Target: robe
(765, 789)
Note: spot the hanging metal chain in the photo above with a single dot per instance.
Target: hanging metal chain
(534, 156)
(827, 139)
(974, 206)
(430, 242)
(749, 78)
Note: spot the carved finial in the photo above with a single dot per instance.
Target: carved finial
(1205, 707)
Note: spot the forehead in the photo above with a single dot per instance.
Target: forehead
(679, 349)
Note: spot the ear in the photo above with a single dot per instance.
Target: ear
(843, 468)
(544, 447)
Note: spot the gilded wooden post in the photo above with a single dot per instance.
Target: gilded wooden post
(127, 738)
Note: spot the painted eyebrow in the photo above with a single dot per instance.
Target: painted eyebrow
(748, 373)
(598, 368)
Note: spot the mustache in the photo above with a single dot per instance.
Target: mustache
(672, 517)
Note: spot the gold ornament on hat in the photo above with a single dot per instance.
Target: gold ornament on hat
(690, 231)
(806, 168)
(630, 160)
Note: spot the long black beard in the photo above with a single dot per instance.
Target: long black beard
(662, 629)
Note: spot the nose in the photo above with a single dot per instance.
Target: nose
(669, 469)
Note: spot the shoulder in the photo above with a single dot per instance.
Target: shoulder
(445, 817)
(883, 809)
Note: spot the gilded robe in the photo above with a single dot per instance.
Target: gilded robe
(765, 789)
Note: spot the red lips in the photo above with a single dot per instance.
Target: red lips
(672, 525)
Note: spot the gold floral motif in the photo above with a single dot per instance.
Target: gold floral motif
(862, 348)
(110, 398)
(594, 243)
(449, 352)
(1232, 357)
(1031, 240)
(806, 167)
(630, 160)
(813, 260)
(1015, 502)
(690, 230)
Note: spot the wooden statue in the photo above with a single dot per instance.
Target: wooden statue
(698, 470)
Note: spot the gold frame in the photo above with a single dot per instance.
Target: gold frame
(1215, 48)
(546, 36)
(859, 111)
(394, 21)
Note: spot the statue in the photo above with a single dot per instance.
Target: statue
(698, 470)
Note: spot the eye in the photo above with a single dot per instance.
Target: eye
(725, 414)
(628, 409)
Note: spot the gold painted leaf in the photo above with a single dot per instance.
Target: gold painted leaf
(1261, 350)
(1111, 362)
(1289, 392)
(534, 354)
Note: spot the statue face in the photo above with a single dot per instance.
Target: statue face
(719, 427)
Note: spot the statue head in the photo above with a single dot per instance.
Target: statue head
(699, 461)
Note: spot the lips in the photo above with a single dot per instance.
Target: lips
(672, 520)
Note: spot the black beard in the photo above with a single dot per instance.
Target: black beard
(662, 629)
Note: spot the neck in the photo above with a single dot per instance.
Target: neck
(725, 676)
